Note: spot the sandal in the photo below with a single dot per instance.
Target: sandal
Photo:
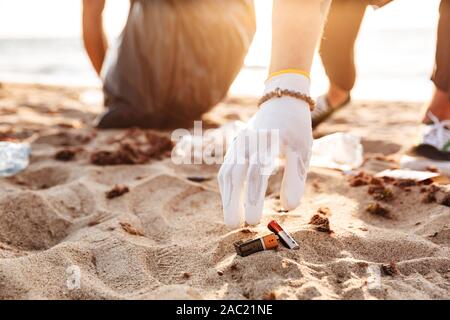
(323, 110)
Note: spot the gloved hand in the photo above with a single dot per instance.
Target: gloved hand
(286, 122)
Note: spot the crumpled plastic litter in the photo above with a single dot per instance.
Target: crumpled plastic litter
(14, 157)
(342, 151)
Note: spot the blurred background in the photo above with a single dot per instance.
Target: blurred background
(40, 42)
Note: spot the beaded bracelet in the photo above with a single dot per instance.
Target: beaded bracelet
(278, 93)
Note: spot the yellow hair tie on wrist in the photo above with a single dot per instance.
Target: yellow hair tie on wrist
(296, 71)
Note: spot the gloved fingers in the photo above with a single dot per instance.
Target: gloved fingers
(257, 180)
(294, 177)
(231, 180)
(303, 149)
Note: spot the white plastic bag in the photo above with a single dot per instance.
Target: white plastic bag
(14, 157)
(341, 150)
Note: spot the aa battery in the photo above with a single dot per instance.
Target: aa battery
(264, 243)
(284, 237)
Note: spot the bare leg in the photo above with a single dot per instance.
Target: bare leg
(337, 47)
(94, 37)
(439, 105)
(440, 102)
(297, 26)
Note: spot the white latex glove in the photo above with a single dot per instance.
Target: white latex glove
(245, 172)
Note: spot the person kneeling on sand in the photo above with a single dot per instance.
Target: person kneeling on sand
(174, 60)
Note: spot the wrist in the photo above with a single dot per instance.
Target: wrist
(293, 85)
(288, 81)
(285, 71)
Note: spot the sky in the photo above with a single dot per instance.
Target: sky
(53, 18)
(61, 18)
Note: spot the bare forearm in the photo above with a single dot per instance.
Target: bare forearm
(297, 26)
(93, 34)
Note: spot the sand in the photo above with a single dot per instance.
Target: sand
(161, 234)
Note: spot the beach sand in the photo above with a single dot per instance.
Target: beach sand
(159, 235)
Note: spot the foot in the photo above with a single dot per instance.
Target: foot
(336, 96)
(120, 118)
(435, 142)
(326, 104)
(439, 106)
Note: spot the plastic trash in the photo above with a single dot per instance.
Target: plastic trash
(342, 151)
(14, 157)
(422, 164)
